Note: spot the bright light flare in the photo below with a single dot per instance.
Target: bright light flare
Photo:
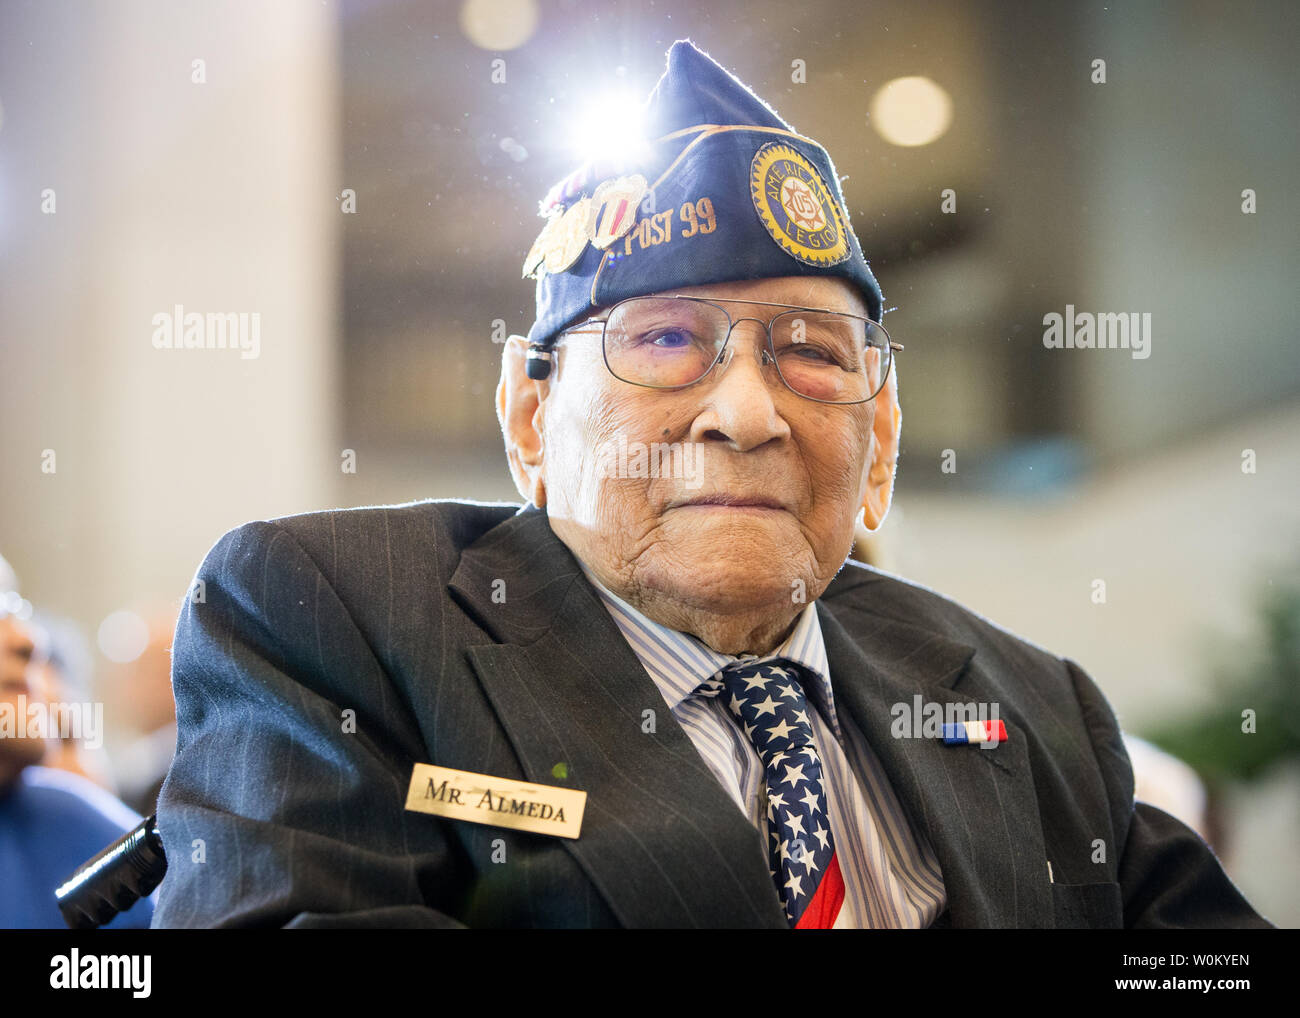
(611, 130)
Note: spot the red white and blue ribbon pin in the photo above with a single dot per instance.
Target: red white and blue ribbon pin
(961, 732)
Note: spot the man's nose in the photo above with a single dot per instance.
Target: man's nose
(738, 397)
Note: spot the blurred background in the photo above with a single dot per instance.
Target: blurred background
(363, 175)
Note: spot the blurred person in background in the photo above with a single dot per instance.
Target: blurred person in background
(51, 821)
(65, 675)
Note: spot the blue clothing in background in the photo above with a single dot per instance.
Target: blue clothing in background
(51, 822)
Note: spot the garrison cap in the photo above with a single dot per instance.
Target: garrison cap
(725, 190)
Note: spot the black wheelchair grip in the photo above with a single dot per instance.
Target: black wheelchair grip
(115, 879)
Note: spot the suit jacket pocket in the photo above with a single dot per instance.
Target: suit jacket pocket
(1088, 906)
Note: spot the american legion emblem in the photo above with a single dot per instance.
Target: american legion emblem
(796, 206)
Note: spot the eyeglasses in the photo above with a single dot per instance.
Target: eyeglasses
(672, 342)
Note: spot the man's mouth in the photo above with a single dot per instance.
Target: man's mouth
(729, 501)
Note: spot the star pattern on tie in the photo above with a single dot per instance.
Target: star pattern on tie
(767, 699)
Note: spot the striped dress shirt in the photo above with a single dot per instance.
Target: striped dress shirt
(891, 877)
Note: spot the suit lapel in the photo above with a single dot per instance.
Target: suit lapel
(661, 840)
(977, 806)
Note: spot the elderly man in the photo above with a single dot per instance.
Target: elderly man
(657, 694)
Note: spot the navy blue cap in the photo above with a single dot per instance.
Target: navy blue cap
(734, 194)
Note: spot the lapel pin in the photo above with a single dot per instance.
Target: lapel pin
(962, 732)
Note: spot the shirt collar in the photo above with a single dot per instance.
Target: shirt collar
(678, 662)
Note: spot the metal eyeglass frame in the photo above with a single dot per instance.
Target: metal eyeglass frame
(770, 350)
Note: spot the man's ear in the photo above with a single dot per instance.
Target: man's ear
(885, 427)
(519, 411)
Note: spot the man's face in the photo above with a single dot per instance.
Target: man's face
(794, 471)
(19, 684)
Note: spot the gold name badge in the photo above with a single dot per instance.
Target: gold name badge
(501, 802)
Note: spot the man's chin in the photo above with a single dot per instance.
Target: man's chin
(725, 576)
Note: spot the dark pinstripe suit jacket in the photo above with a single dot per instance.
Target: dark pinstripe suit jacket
(274, 814)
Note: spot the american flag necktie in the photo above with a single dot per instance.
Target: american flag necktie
(767, 700)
